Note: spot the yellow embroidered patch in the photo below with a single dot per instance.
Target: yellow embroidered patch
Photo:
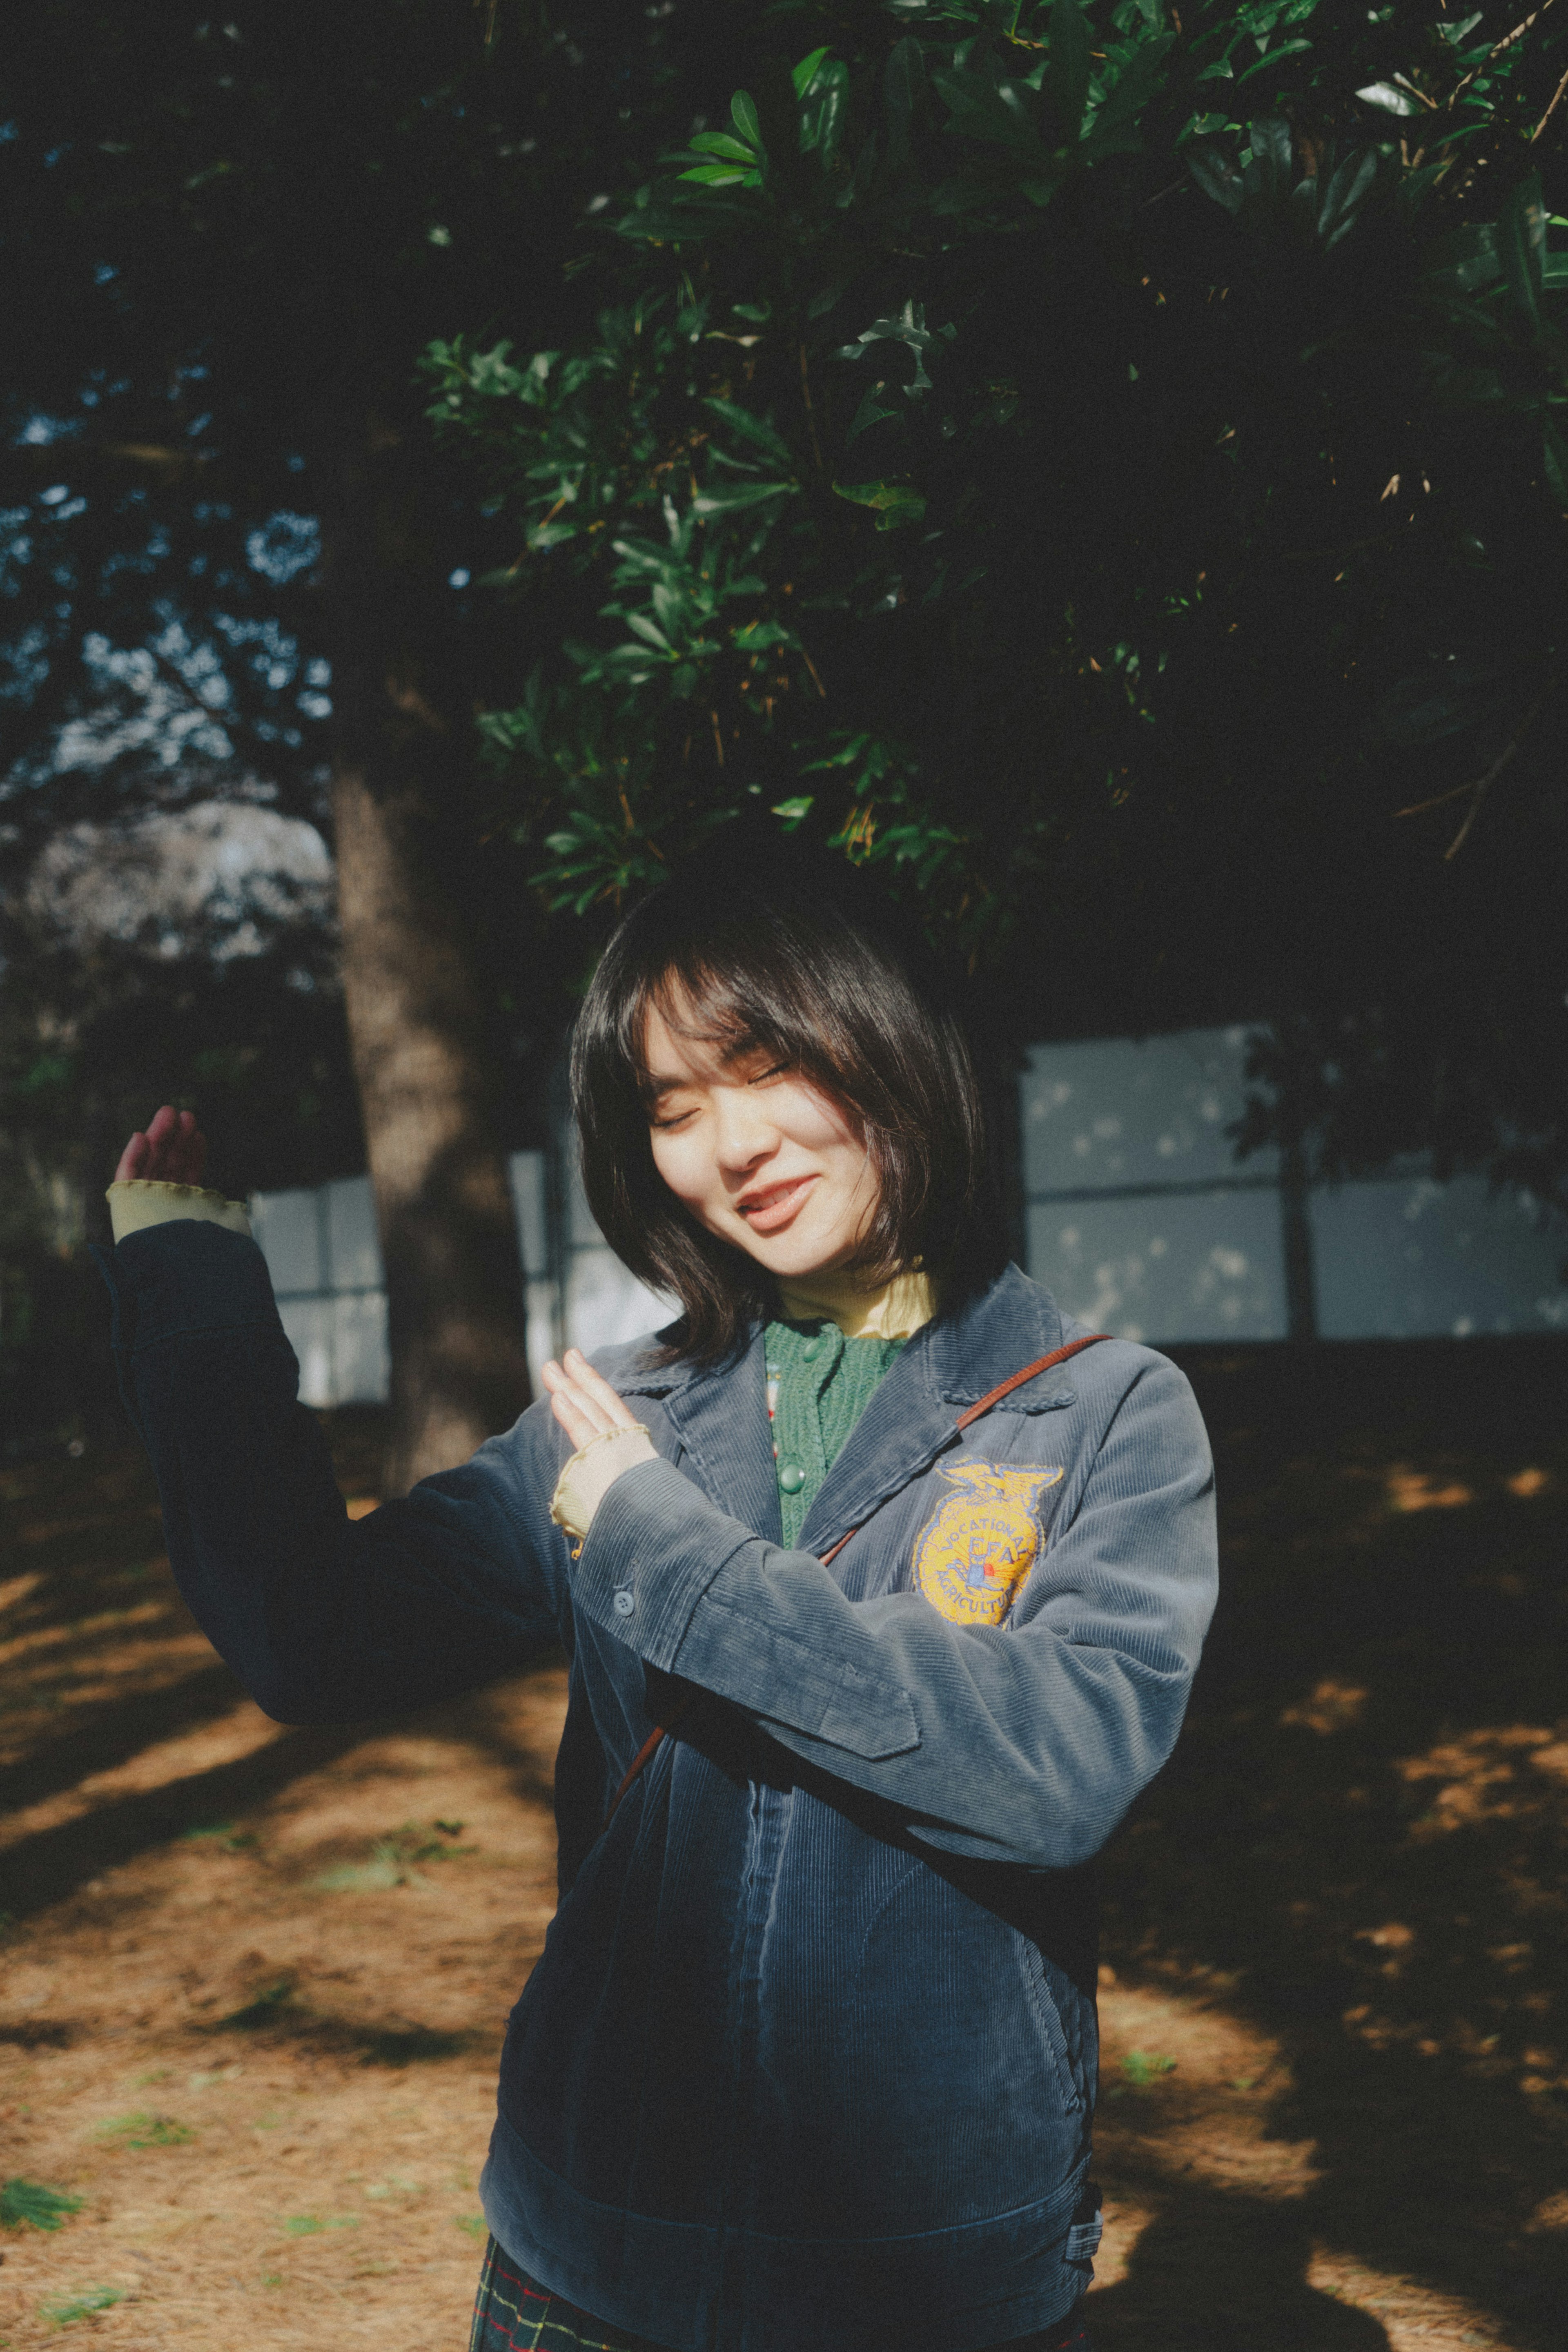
(971, 1559)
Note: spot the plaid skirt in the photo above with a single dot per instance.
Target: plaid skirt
(512, 2313)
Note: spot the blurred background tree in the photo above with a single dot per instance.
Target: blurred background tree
(236, 570)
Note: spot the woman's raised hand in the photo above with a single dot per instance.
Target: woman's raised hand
(582, 1402)
(172, 1151)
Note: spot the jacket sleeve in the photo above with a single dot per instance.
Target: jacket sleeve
(1023, 1744)
(324, 1619)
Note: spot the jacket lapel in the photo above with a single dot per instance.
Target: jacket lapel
(910, 1419)
(719, 1415)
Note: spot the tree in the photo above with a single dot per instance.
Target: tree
(1106, 465)
(225, 241)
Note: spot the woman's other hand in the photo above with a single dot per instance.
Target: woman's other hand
(588, 1409)
(173, 1150)
(582, 1402)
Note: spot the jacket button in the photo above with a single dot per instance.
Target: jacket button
(812, 1350)
(792, 1477)
(623, 1604)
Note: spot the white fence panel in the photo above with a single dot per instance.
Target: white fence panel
(1415, 1258)
(1193, 1265)
(1142, 1220)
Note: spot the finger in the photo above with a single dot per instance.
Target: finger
(575, 1422)
(567, 1395)
(132, 1160)
(594, 1386)
(188, 1151)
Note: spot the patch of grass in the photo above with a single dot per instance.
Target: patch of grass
(394, 1861)
(29, 2204)
(60, 2310)
(310, 2225)
(141, 2129)
(226, 1834)
(471, 2224)
(1143, 2067)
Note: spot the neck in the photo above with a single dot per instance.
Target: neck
(892, 1311)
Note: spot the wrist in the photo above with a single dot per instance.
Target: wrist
(592, 1470)
(137, 1201)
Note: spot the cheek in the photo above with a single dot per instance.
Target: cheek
(684, 1166)
(809, 1119)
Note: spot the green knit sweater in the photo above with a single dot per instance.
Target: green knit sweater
(818, 1384)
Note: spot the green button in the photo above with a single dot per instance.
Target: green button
(812, 1350)
(792, 1477)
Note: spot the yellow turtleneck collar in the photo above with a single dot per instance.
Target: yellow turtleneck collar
(894, 1312)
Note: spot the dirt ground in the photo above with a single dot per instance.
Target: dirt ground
(253, 1980)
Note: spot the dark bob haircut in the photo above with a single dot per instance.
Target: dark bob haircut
(741, 952)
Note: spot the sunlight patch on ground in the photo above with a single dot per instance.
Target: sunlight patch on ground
(237, 1734)
(1420, 1490)
(1410, 2314)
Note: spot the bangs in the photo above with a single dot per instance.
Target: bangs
(723, 1006)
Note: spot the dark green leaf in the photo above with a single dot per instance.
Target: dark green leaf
(893, 503)
(739, 494)
(751, 428)
(747, 121)
(1556, 455)
(1342, 197)
(1389, 96)
(1067, 66)
(720, 143)
(805, 73)
(1521, 244)
(1464, 259)
(1271, 155)
(1216, 174)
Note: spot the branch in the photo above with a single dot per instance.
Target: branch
(52, 460)
(1483, 784)
(1556, 102)
(1496, 50)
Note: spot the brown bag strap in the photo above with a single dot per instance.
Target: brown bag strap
(645, 1754)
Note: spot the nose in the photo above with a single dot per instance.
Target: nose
(745, 1131)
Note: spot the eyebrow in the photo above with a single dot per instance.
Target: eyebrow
(657, 1083)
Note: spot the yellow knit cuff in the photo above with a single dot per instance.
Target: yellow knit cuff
(142, 1201)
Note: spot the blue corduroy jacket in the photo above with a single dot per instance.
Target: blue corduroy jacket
(808, 2062)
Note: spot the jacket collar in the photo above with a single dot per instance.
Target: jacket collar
(720, 1411)
(910, 1419)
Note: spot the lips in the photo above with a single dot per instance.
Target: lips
(770, 1207)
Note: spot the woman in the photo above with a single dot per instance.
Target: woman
(913, 1575)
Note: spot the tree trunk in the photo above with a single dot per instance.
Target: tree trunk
(442, 1202)
(414, 999)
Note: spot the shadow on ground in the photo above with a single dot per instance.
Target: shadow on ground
(1354, 1868)
(1359, 1849)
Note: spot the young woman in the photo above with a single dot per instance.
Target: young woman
(910, 1574)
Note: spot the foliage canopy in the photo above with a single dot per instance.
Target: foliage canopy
(1102, 463)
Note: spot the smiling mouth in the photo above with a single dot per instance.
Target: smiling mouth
(769, 1212)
